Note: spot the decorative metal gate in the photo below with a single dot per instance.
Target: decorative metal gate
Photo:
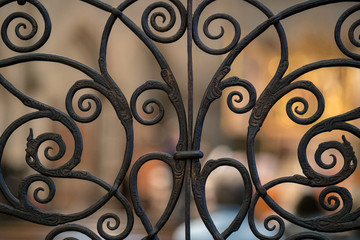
(189, 171)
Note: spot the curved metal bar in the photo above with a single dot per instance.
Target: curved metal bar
(351, 33)
(178, 34)
(308, 235)
(177, 168)
(52, 58)
(62, 171)
(198, 186)
(34, 25)
(224, 69)
(72, 228)
(185, 162)
(274, 20)
(267, 100)
(166, 74)
(344, 219)
(345, 148)
(207, 22)
(335, 222)
(148, 86)
(43, 111)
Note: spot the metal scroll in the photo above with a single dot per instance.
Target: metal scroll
(189, 172)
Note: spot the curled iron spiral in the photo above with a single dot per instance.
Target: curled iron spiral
(148, 104)
(34, 28)
(208, 21)
(160, 15)
(351, 33)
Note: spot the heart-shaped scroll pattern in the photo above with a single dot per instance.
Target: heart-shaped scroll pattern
(198, 186)
(177, 169)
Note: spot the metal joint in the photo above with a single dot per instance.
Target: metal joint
(184, 155)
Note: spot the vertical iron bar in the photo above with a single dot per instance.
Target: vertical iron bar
(187, 200)
(190, 118)
(190, 74)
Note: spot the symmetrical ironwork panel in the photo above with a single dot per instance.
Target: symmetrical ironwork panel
(166, 23)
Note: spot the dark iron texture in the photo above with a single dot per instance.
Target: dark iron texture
(185, 164)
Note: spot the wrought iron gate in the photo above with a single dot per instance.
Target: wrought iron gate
(189, 171)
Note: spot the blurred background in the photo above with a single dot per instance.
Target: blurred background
(76, 33)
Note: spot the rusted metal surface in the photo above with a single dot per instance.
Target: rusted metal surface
(185, 164)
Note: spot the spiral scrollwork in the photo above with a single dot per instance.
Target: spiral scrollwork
(351, 33)
(24, 188)
(270, 226)
(85, 98)
(307, 85)
(208, 21)
(271, 223)
(29, 18)
(344, 148)
(234, 81)
(112, 223)
(83, 231)
(33, 145)
(148, 105)
(33, 25)
(331, 202)
(270, 96)
(160, 15)
(148, 108)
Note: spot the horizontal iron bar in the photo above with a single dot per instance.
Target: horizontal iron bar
(183, 155)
